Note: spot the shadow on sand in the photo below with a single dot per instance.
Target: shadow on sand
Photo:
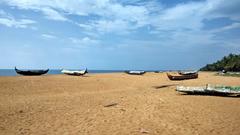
(164, 86)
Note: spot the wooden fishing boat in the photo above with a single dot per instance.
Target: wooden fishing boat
(210, 90)
(75, 72)
(135, 72)
(31, 72)
(182, 77)
(224, 90)
(191, 90)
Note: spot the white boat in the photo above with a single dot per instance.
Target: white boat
(188, 72)
(191, 90)
(223, 89)
(135, 72)
(210, 90)
(75, 72)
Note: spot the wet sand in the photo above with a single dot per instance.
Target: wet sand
(61, 104)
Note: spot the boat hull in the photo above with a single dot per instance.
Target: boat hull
(210, 90)
(182, 77)
(135, 72)
(187, 72)
(75, 73)
(31, 72)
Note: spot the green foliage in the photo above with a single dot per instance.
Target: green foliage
(228, 63)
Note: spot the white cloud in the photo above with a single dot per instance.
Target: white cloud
(53, 14)
(225, 28)
(9, 21)
(123, 16)
(22, 23)
(182, 16)
(178, 26)
(84, 41)
(48, 8)
(48, 36)
(116, 26)
(85, 26)
(110, 11)
(223, 8)
(232, 26)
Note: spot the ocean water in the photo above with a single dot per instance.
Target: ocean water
(11, 72)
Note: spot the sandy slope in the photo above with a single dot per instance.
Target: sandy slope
(61, 104)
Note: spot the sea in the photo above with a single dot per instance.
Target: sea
(11, 72)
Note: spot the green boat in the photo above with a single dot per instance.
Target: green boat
(210, 90)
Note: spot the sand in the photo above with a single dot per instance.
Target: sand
(72, 105)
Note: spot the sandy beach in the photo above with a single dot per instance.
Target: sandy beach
(73, 105)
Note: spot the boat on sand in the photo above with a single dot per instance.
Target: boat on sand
(75, 72)
(31, 72)
(182, 77)
(210, 90)
(135, 72)
(188, 72)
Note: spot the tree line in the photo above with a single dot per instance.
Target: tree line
(227, 63)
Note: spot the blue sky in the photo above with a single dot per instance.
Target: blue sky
(117, 34)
